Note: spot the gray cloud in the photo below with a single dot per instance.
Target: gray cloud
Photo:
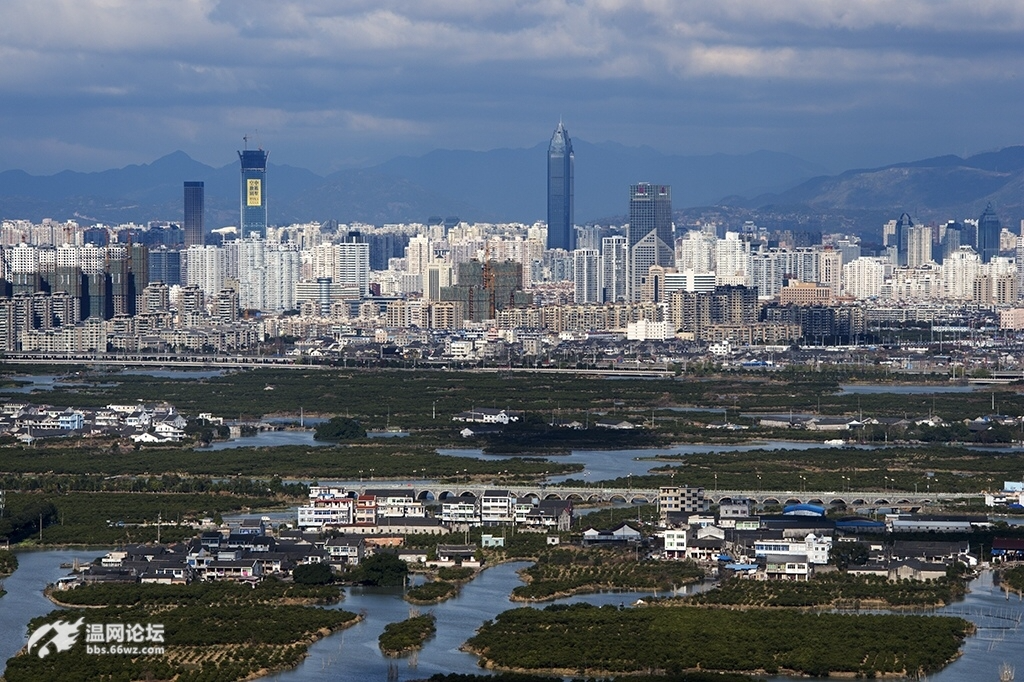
(87, 83)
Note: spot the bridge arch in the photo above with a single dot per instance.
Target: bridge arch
(860, 501)
(771, 500)
(816, 500)
(617, 499)
(792, 500)
(425, 496)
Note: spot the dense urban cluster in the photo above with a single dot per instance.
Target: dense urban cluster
(320, 287)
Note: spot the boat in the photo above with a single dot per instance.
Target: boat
(835, 442)
(1006, 673)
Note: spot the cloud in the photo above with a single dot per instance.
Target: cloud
(390, 76)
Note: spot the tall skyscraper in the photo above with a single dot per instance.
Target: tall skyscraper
(195, 209)
(988, 234)
(649, 236)
(561, 233)
(903, 226)
(253, 192)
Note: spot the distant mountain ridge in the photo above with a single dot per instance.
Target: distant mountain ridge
(939, 188)
(510, 185)
(497, 185)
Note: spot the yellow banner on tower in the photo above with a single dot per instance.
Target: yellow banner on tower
(254, 193)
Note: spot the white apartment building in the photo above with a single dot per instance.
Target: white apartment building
(613, 269)
(586, 264)
(732, 260)
(865, 277)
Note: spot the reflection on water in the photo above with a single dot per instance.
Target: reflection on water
(177, 373)
(606, 464)
(24, 599)
(904, 389)
(269, 439)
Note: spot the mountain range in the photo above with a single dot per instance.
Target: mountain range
(510, 185)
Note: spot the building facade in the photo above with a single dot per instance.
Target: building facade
(561, 160)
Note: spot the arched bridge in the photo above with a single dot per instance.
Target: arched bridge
(598, 494)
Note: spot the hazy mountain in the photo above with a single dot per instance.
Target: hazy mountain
(502, 184)
(944, 187)
(510, 184)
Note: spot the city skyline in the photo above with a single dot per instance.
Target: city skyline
(92, 85)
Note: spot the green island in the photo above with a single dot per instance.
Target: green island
(404, 637)
(8, 562)
(830, 590)
(1012, 579)
(449, 580)
(564, 571)
(216, 630)
(529, 677)
(587, 640)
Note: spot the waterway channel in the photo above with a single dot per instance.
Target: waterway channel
(353, 653)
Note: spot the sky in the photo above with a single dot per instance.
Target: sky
(94, 84)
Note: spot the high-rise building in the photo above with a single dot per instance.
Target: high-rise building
(903, 226)
(649, 235)
(988, 234)
(352, 265)
(613, 269)
(919, 245)
(585, 273)
(253, 214)
(561, 233)
(195, 208)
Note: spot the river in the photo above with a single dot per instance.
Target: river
(353, 653)
(602, 465)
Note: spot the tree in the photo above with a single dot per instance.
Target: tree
(339, 428)
(382, 569)
(313, 574)
(843, 554)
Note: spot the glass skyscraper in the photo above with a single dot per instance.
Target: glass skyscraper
(649, 236)
(989, 230)
(253, 192)
(195, 208)
(561, 234)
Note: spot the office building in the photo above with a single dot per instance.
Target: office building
(988, 234)
(902, 235)
(253, 214)
(561, 233)
(649, 235)
(195, 211)
(165, 266)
